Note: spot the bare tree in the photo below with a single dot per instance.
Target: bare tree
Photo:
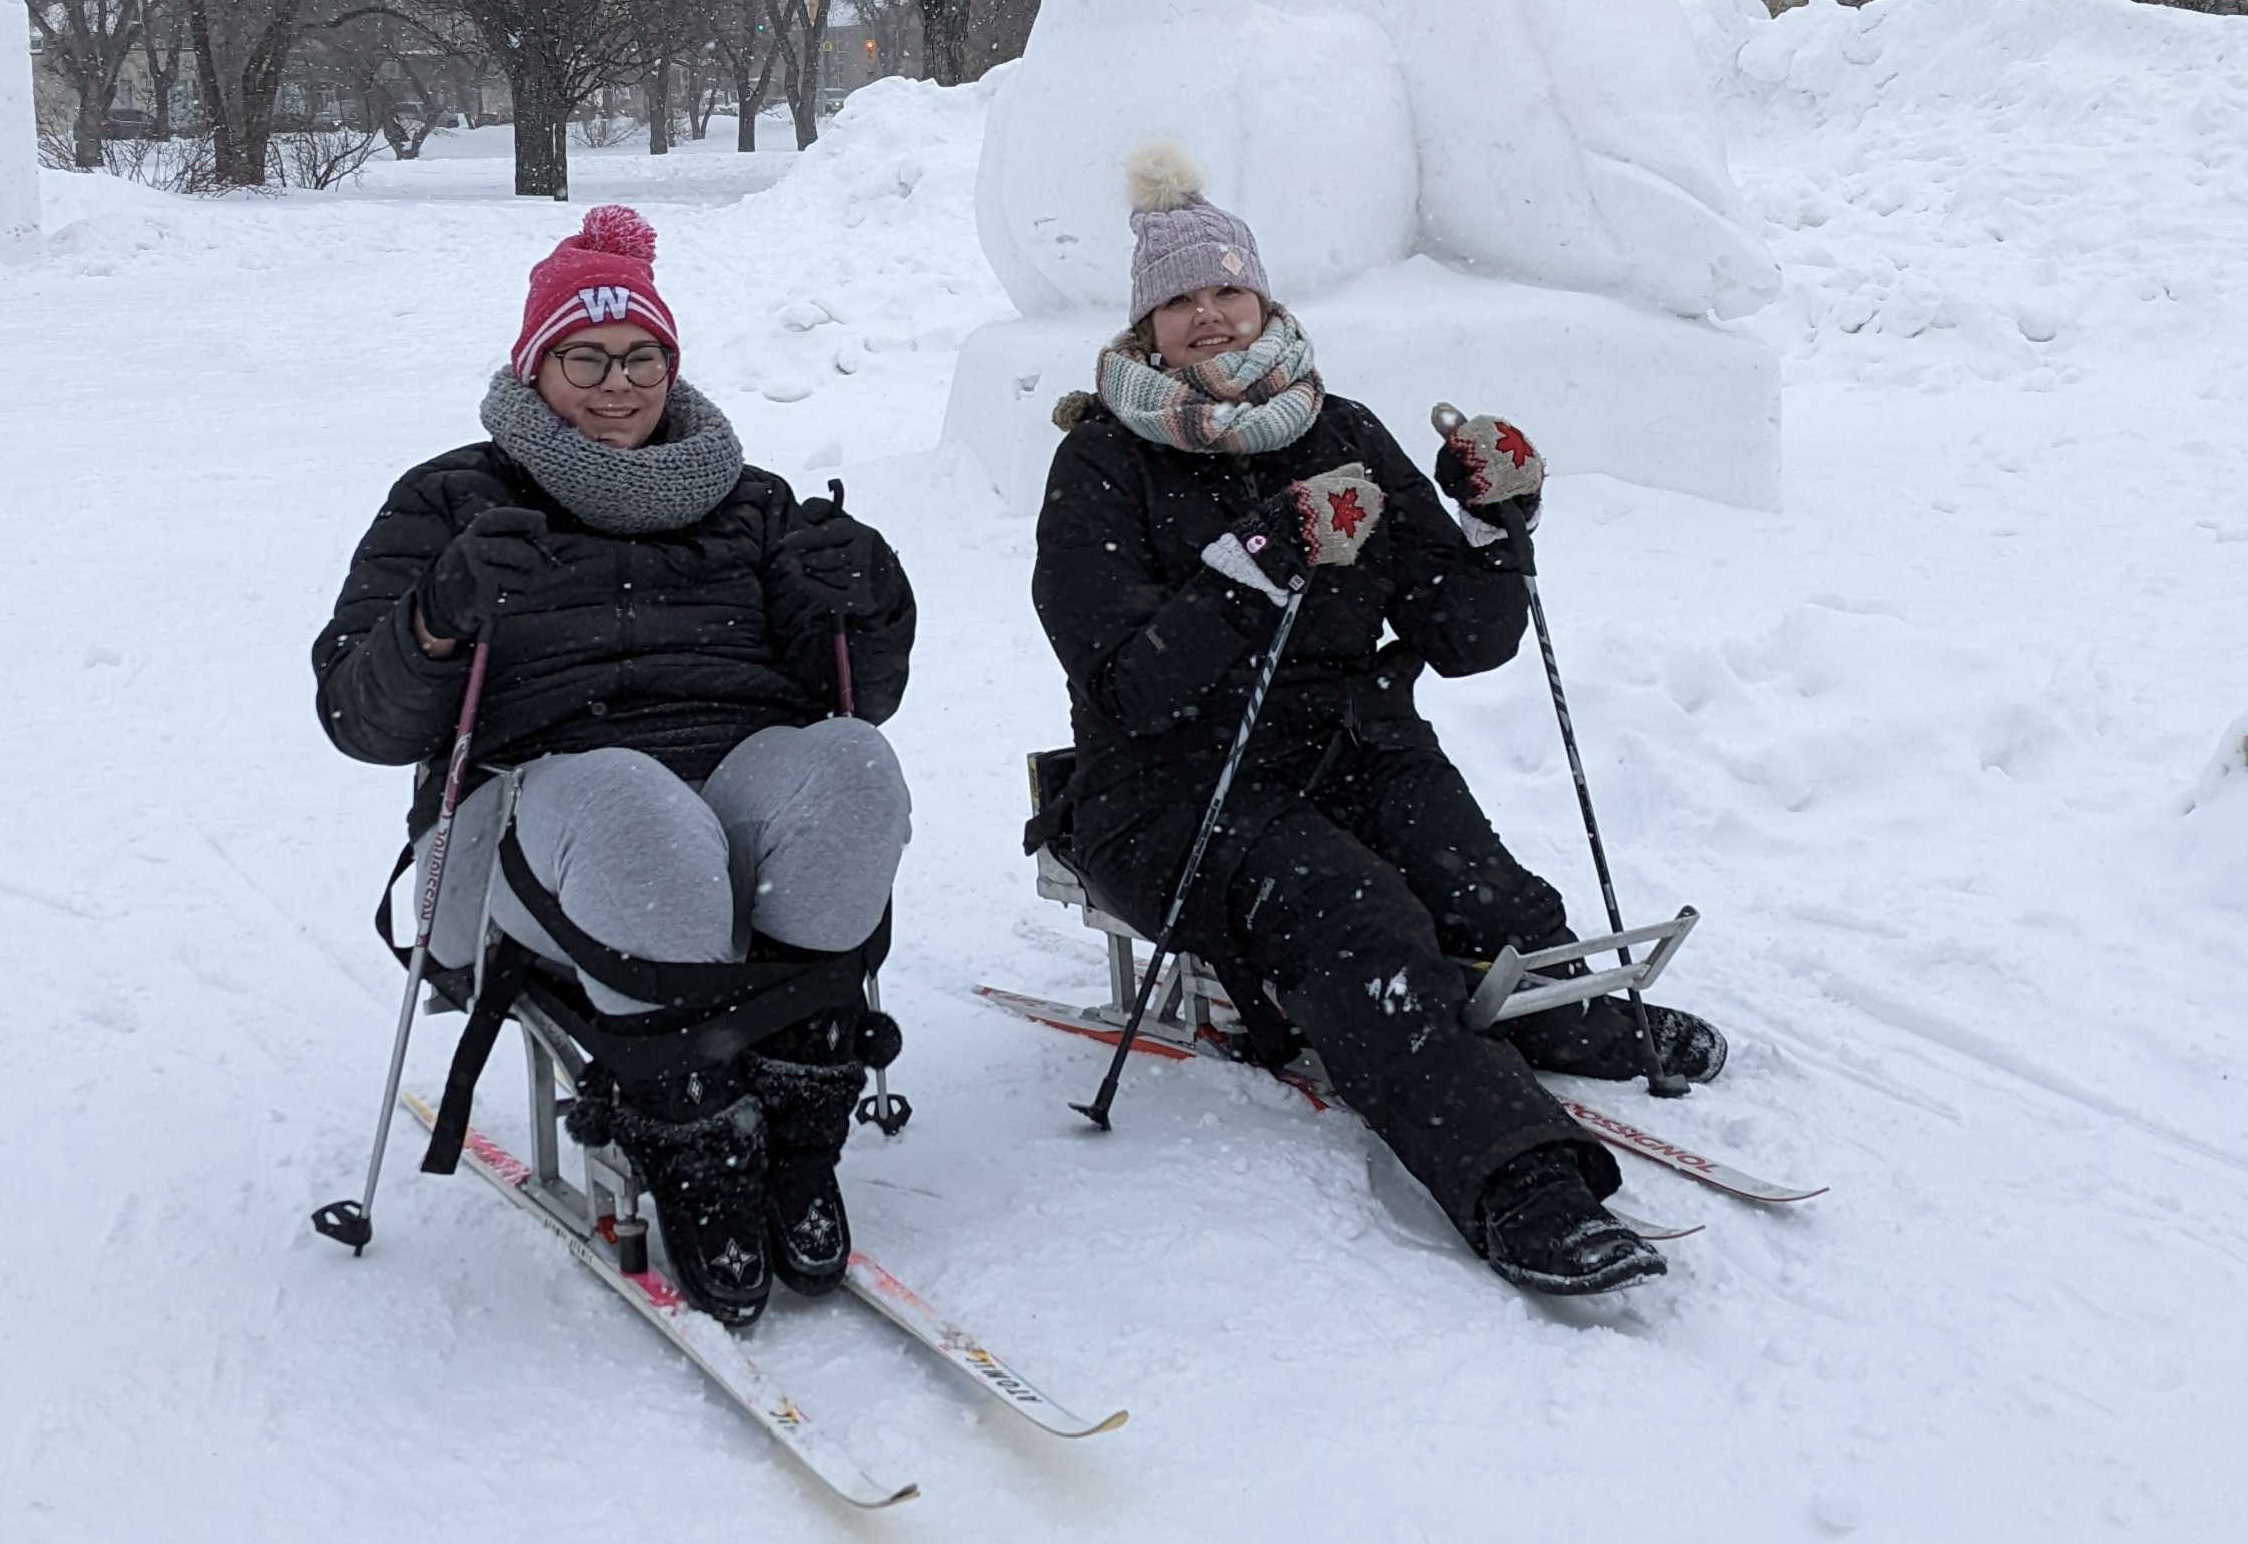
(704, 81)
(400, 59)
(163, 54)
(749, 52)
(800, 27)
(241, 47)
(944, 40)
(87, 43)
(556, 53)
(674, 37)
(1002, 29)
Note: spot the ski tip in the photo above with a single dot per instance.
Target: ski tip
(1080, 1430)
(906, 1492)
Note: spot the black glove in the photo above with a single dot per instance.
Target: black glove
(834, 556)
(498, 559)
(1269, 542)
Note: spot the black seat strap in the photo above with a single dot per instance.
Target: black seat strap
(734, 1003)
(504, 974)
(382, 909)
(698, 988)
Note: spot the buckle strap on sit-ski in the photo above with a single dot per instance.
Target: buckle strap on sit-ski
(510, 965)
(684, 993)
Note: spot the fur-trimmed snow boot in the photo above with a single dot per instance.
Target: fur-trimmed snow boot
(698, 1139)
(1542, 1228)
(809, 1078)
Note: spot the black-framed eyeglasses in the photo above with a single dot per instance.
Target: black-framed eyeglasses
(585, 365)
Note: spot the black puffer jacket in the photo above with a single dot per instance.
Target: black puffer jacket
(1161, 650)
(680, 644)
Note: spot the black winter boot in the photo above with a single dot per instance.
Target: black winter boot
(1600, 1038)
(699, 1140)
(1543, 1229)
(809, 1081)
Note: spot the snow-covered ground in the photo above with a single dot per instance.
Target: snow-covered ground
(1948, 751)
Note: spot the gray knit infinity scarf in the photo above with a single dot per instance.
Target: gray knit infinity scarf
(1246, 402)
(675, 479)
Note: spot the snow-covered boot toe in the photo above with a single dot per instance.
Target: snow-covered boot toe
(1543, 1229)
(1691, 1045)
(699, 1141)
(1600, 1038)
(808, 1105)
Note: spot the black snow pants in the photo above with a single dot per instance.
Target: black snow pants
(1349, 902)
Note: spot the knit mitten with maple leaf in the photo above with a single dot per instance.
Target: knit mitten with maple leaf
(1339, 508)
(1483, 463)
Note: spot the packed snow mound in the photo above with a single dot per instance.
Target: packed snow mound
(1540, 140)
(19, 164)
(862, 262)
(1998, 183)
(2227, 772)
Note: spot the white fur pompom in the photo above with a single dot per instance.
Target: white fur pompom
(1160, 175)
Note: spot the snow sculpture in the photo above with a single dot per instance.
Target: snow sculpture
(1523, 202)
(19, 157)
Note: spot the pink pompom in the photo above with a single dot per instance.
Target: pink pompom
(614, 228)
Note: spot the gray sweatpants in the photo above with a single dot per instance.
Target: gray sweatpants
(795, 837)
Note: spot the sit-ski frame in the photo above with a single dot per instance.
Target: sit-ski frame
(1189, 998)
(607, 1205)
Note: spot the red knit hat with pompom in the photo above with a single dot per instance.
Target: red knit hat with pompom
(605, 273)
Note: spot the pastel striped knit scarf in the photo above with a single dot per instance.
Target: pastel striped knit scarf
(1252, 400)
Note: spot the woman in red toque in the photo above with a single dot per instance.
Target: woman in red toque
(663, 672)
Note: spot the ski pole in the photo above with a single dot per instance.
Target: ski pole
(352, 1222)
(884, 1109)
(1097, 1111)
(843, 693)
(1663, 1084)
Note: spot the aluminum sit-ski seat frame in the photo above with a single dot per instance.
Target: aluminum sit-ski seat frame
(1189, 999)
(607, 1203)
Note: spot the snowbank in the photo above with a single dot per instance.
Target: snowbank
(2226, 776)
(19, 159)
(856, 276)
(1924, 166)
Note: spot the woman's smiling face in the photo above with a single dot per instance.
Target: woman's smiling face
(1207, 322)
(615, 410)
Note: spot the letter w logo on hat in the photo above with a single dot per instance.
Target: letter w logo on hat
(605, 302)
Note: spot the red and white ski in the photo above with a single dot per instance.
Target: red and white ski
(1625, 1137)
(705, 1341)
(902, 1306)
(1053, 1015)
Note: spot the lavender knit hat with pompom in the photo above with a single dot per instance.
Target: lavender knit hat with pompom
(1186, 242)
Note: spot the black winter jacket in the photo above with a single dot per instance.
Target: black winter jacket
(1161, 650)
(680, 644)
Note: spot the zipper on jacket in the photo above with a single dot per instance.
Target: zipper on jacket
(625, 616)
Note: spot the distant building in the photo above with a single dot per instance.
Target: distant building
(867, 43)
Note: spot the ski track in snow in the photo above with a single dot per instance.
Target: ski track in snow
(1923, 749)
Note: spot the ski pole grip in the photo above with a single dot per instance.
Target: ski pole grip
(1518, 538)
